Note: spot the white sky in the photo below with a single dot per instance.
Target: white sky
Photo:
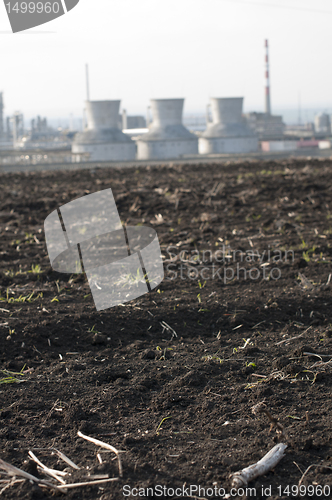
(140, 49)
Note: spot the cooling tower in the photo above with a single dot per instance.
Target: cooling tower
(102, 137)
(167, 137)
(228, 132)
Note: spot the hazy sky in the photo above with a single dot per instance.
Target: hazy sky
(140, 49)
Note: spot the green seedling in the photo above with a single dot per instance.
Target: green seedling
(58, 286)
(16, 242)
(93, 330)
(158, 348)
(21, 298)
(305, 256)
(35, 269)
(12, 377)
(131, 279)
(212, 357)
(10, 273)
(162, 421)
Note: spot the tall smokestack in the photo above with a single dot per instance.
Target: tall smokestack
(87, 82)
(267, 80)
(1, 115)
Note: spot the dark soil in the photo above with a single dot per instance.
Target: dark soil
(115, 375)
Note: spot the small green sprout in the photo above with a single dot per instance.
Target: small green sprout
(162, 421)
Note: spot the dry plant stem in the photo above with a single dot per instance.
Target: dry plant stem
(268, 462)
(14, 471)
(103, 445)
(10, 483)
(50, 472)
(261, 408)
(65, 459)
(275, 423)
(308, 469)
(50, 412)
(89, 483)
(60, 455)
(293, 338)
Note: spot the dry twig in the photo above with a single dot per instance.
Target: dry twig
(293, 338)
(50, 472)
(261, 408)
(264, 465)
(14, 471)
(103, 445)
(89, 483)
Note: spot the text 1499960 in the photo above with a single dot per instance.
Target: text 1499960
(33, 7)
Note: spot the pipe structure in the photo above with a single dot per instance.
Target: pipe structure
(87, 82)
(167, 137)
(124, 120)
(102, 137)
(228, 132)
(148, 121)
(267, 80)
(207, 114)
(1, 116)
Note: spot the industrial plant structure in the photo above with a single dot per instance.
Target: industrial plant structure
(167, 137)
(322, 124)
(228, 132)
(1, 116)
(266, 125)
(102, 138)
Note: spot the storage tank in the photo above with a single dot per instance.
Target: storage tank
(102, 138)
(228, 132)
(322, 124)
(167, 137)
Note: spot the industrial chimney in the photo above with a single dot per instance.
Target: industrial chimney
(1, 115)
(267, 80)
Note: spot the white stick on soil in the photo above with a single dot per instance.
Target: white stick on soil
(264, 465)
(88, 483)
(65, 459)
(50, 472)
(103, 445)
(14, 471)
